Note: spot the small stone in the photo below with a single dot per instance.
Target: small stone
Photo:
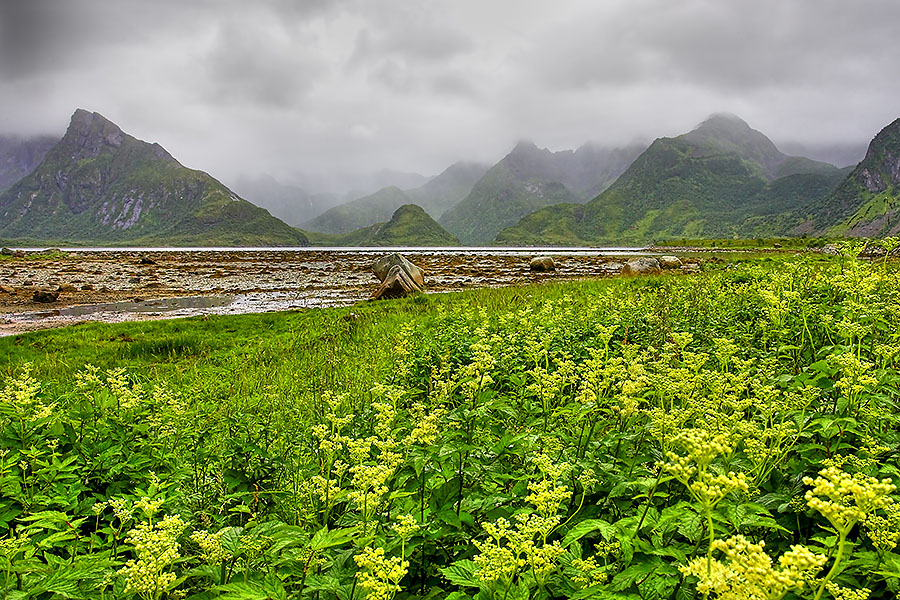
(45, 296)
(20, 254)
(67, 287)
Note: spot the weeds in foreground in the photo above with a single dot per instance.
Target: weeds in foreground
(726, 436)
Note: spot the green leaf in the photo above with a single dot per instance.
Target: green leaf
(587, 526)
(328, 539)
(462, 573)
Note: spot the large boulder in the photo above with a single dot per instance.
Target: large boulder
(7, 251)
(542, 264)
(398, 276)
(669, 262)
(383, 265)
(397, 284)
(643, 265)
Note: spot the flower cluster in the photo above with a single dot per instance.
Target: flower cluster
(211, 550)
(381, 575)
(748, 573)
(839, 592)
(155, 548)
(844, 499)
(512, 548)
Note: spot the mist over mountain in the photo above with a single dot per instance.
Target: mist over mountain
(436, 196)
(290, 203)
(99, 184)
(19, 156)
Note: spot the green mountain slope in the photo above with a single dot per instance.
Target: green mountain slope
(530, 178)
(19, 157)
(436, 196)
(362, 212)
(100, 185)
(446, 190)
(410, 225)
(720, 180)
(867, 202)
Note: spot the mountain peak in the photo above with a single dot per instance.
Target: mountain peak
(90, 134)
(725, 132)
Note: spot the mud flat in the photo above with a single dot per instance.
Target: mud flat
(119, 285)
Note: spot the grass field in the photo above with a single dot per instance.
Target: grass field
(731, 434)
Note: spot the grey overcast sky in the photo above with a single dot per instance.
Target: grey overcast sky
(341, 86)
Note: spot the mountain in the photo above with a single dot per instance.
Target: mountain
(445, 191)
(436, 196)
(530, 178)
(359, 213)
(722, 179)
(19, 156)
(410, 225)
(101, 185)
(290, 203)
(867, 202)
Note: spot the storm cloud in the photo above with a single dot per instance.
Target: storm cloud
(307, 90)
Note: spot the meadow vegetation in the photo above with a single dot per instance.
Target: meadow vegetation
(727, 435)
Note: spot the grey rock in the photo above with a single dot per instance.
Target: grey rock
(396, 284)
(7, 252)
(382, 268)
(669, 262)
(542, 264)
(643, 265)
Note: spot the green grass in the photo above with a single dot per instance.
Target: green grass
(614, 435)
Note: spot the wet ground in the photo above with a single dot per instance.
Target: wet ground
(119, 285)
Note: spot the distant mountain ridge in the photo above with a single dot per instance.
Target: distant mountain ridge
(721, 179)
(436, 196)
(530, 178)
(99, 184)
(20, 156)
(292, 204)
(410, 225)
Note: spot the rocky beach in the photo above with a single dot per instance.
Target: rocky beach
(117, 285)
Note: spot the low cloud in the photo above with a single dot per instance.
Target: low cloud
(342, 86)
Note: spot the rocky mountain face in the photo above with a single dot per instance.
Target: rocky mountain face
(20, 156)
(867, 202)
(719, 180)
(528, 179)
(101, 185)
(435, 196)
